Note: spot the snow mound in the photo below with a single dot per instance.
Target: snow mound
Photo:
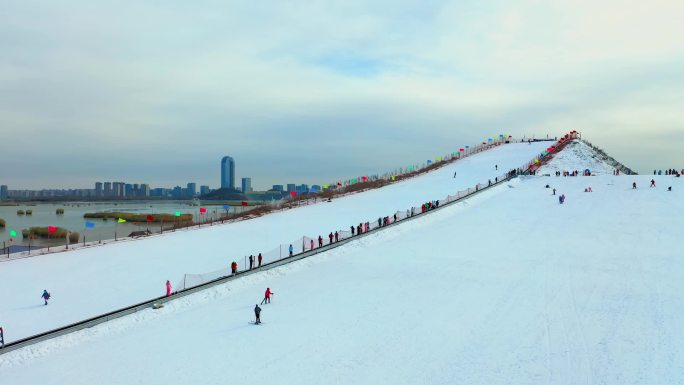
(578, 156)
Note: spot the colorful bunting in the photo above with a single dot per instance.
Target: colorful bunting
(178, 214)
(121, 220)
(203, 210)
(12, 234)
(52, 229)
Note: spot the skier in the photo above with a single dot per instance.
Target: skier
(260, 258)
(168, 288)
(454, 174)
(233, 266)
(633, 185)
(669, 188)
(290, 249)
(46, 296)
(653, 183)
(251, 261)
(496, 167)
(267, 296)
(257, 313)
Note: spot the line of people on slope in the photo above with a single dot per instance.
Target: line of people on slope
(670, 171)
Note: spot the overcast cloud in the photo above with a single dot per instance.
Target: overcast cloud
(305, 91)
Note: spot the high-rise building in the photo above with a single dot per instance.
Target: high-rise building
(192, 189)
(129, 192)
(291, 187)
(3, 192)
(108, 189)
(144, 190)
(227, 172)
(98, 189)
(246, 185)
(118, 189)
(204, 189)
(278, 187)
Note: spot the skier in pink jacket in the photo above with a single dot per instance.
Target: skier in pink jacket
(168, 288)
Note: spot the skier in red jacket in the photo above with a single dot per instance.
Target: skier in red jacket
(267, 296)
(233, 267)
(260, 258)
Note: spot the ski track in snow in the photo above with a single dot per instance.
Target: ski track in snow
(507, 288)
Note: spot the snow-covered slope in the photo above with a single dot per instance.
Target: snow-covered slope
(577, 156)
(88, 282)
(509, 287)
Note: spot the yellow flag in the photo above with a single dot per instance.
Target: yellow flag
(121, 220)
(392, 177)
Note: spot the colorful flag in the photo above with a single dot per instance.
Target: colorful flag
(52, 229)
(244, 203)
(293, 193)
(12, 234)
(203, 210)
(150, 218)
(178, 213)
(121, 220)
(89, 225)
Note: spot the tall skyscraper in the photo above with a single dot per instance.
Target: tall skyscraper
(291, 187)
(145, 190)
(192, 189)
(227, 172)
(246, 185)
(98, 189)
(108, 189)
(204, 189)
(278, 187)
(3, 191)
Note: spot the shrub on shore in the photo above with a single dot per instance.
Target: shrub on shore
(20, 212)
(2, 222)
(42, 232)
(130, 217)
(59, 211)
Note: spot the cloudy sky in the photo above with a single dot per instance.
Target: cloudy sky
(312, 91)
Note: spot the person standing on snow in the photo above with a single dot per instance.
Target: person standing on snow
(330, 236)
(320, 241)
(290, 249)
(251, 261)
(46, 296)
(337, 236)
(653, 183)
(257, 313)
(168, 288)
(233, 266)
(312, 245)
(267, 296)
(633, 185)
(259, 259)
(496, 167)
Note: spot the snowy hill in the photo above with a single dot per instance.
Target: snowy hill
(577, 156)
(509, 287)
(87, 282)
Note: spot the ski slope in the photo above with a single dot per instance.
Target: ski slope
(577, 156)
(88, 282)
(508, 287)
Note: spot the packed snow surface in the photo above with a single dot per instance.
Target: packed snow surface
(88, 282)
(508, 287)
(577, 156)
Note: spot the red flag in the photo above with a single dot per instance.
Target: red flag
(150, 218)
(203, 210)
(52, 229)
(293, 193)
(245, 203)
